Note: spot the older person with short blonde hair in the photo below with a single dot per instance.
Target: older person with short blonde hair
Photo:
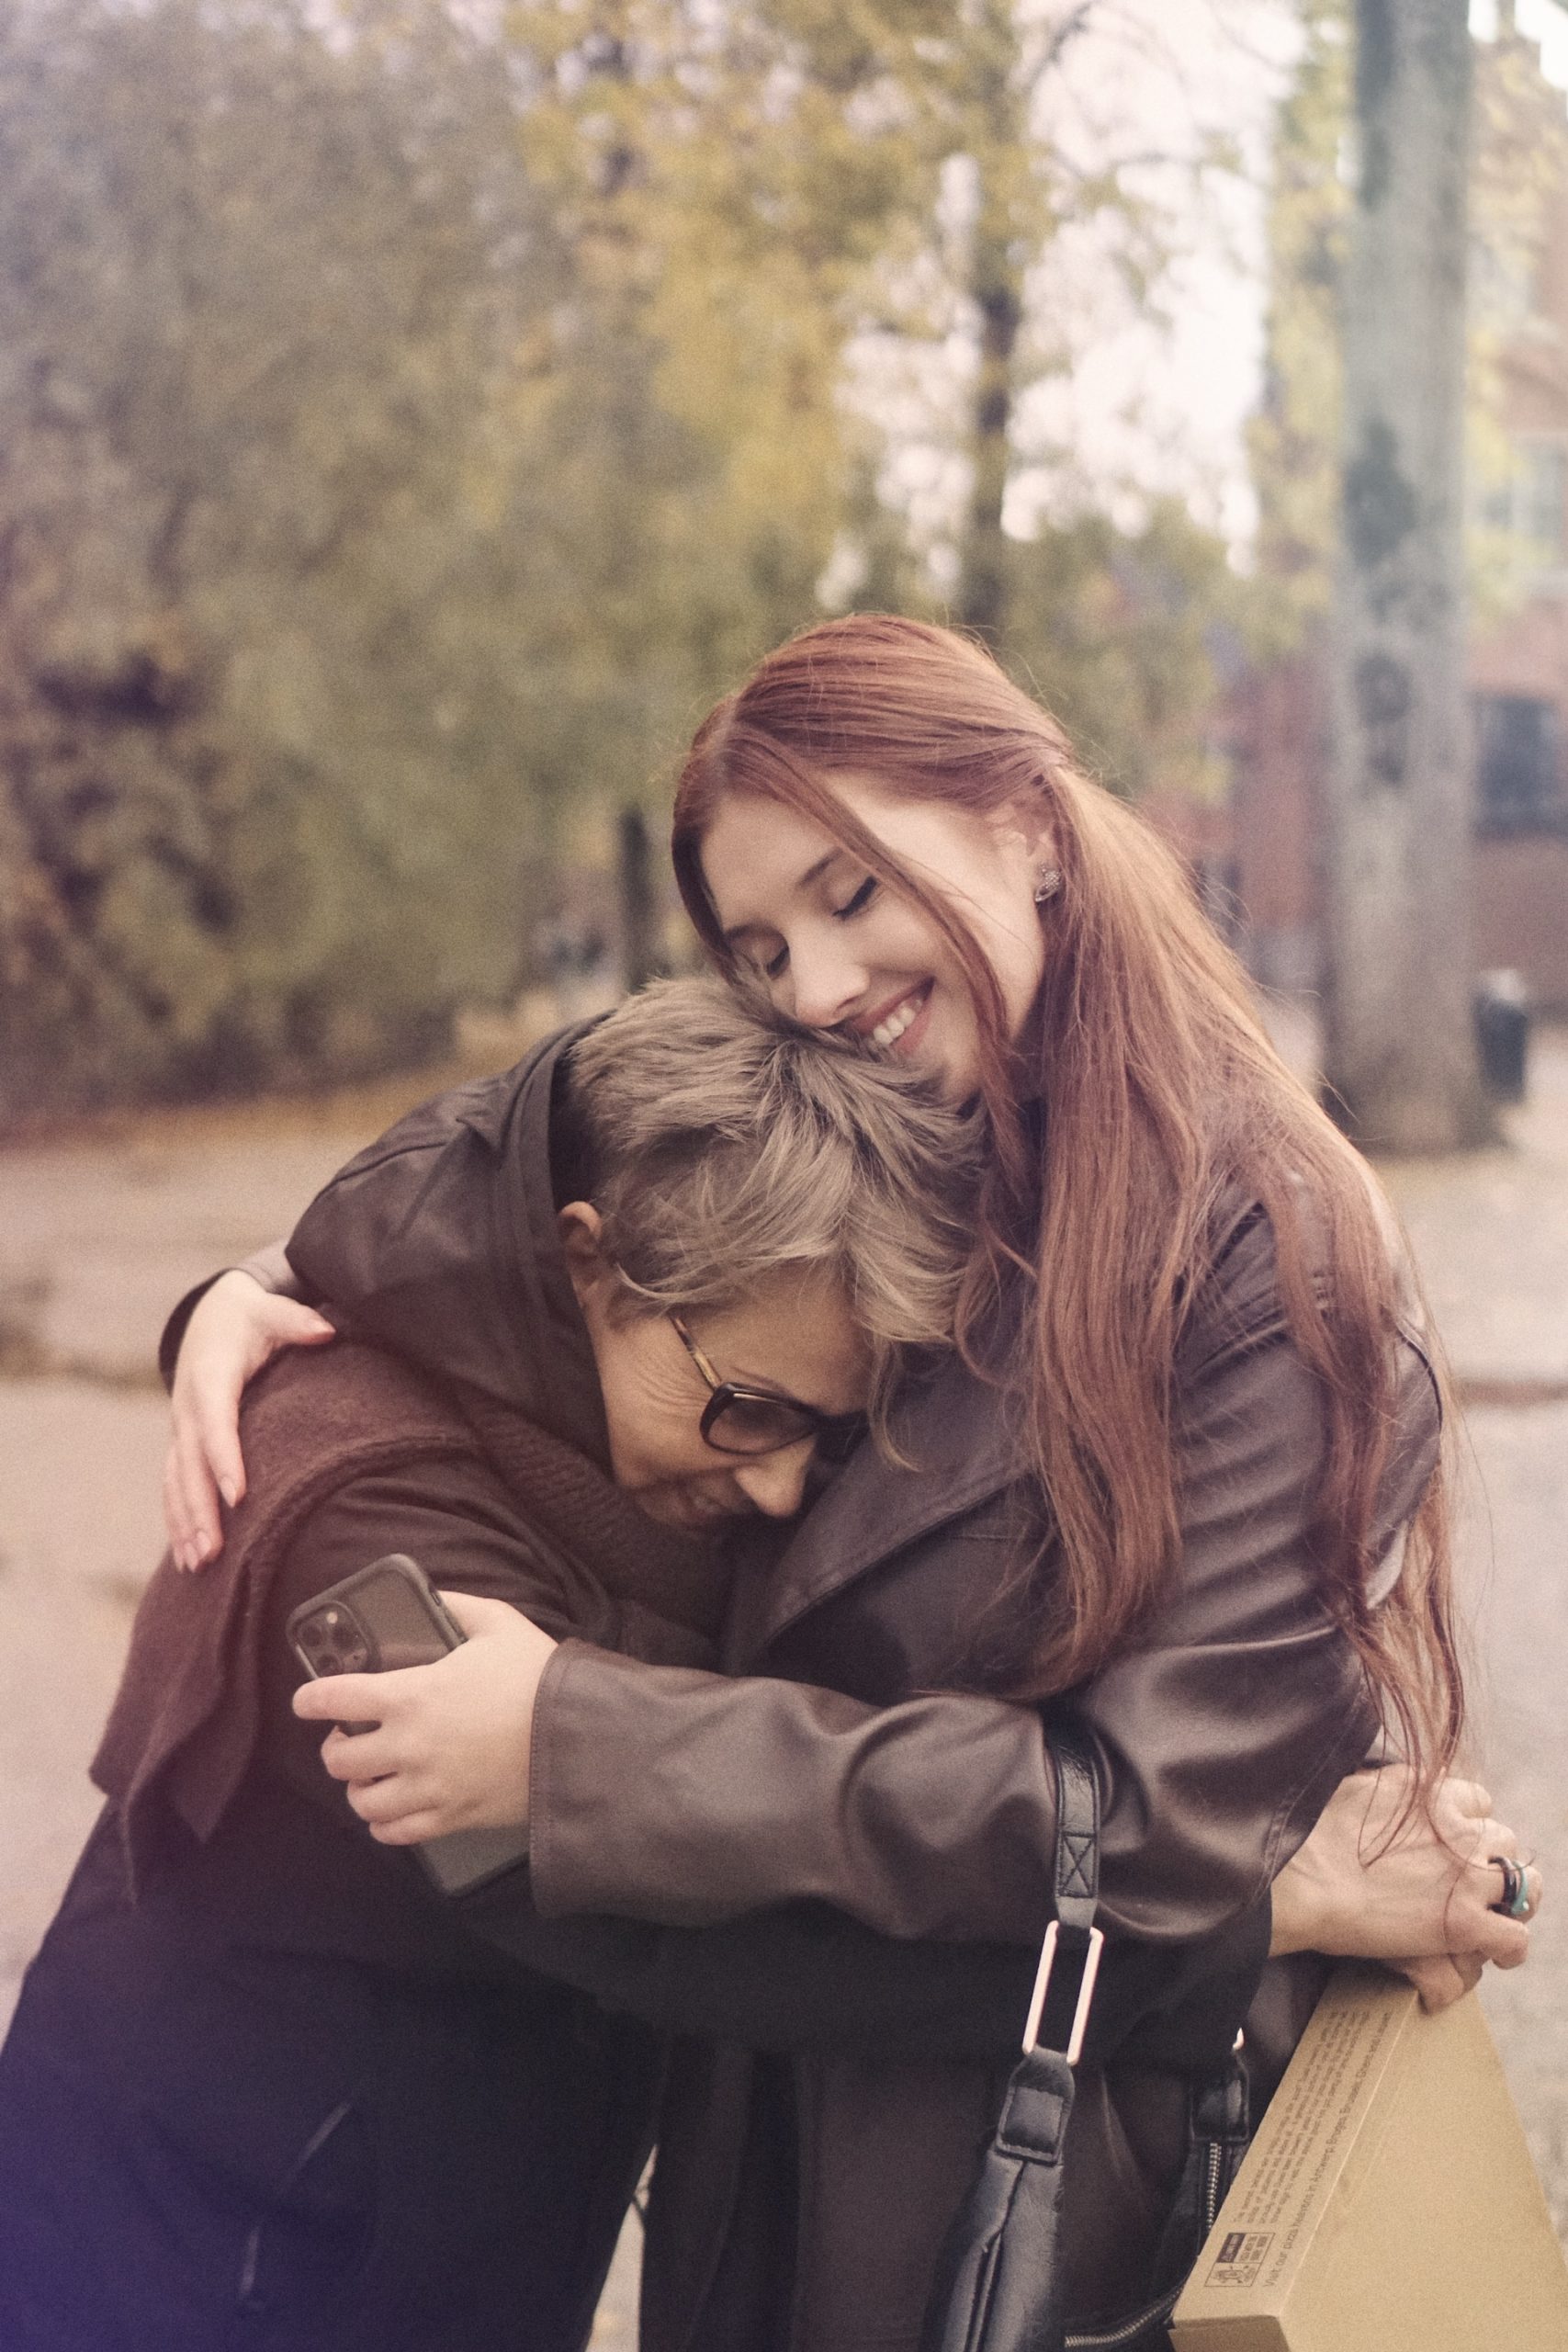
(265, 2081)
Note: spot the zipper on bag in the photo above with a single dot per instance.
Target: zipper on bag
(1111, 2339)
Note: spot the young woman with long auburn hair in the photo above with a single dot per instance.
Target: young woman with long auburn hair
(1126, 1096)
(1182, 1478)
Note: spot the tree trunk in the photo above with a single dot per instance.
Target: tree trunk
(640, 959)
(995, 288)
(1402, 1053)
(982, 597)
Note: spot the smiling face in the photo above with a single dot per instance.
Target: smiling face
(794, 1338)
(837, 949)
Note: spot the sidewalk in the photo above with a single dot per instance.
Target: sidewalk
(1490, 1233)
(98, 1235)
(1489, 1228)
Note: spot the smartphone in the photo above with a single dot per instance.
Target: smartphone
(385, 1616)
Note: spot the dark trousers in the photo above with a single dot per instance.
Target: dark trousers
(211, 2142)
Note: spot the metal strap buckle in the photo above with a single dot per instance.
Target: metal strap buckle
(1086, 1991)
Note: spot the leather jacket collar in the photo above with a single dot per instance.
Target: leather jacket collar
(955, 1431)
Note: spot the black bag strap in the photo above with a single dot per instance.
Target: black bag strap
(1078, 1827)
(998, 2283)
(1069, 1957)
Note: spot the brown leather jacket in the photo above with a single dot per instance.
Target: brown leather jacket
(799, 2203)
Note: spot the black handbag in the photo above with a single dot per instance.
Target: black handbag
(999, 2281)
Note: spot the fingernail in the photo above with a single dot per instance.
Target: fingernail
(197, 1551)
(229, 1492)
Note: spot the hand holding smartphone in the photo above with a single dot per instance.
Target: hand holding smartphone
(384, 1617)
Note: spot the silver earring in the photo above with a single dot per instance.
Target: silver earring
(1048, 885)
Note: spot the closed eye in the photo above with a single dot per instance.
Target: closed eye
(861, 900)
(773, 968)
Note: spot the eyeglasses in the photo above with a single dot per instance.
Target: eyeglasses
(737, 1419)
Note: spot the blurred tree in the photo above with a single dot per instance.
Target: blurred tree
(1519, 150)
(1002, 55)
(1115, 625)
(1401, 1044)
(998, 159)
(256, 285)
(682, 398)
(1124, 633)
(411, 416)
(1293, 438)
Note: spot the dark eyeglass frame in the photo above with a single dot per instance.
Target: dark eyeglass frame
(835, 1435)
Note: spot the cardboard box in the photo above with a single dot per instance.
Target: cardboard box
(1388, 2203)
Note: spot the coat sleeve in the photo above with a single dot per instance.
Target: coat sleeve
(269, 1267)
(805, 1976)
(801, 1977)
(1221, 1731)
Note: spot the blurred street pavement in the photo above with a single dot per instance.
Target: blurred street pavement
(100, 1232)
(1490, 1233)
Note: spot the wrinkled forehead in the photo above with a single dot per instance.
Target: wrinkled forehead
(797, 1332)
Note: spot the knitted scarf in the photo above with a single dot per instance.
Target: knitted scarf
(185, 1722)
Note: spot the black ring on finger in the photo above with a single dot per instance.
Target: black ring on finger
(1516, 1903)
